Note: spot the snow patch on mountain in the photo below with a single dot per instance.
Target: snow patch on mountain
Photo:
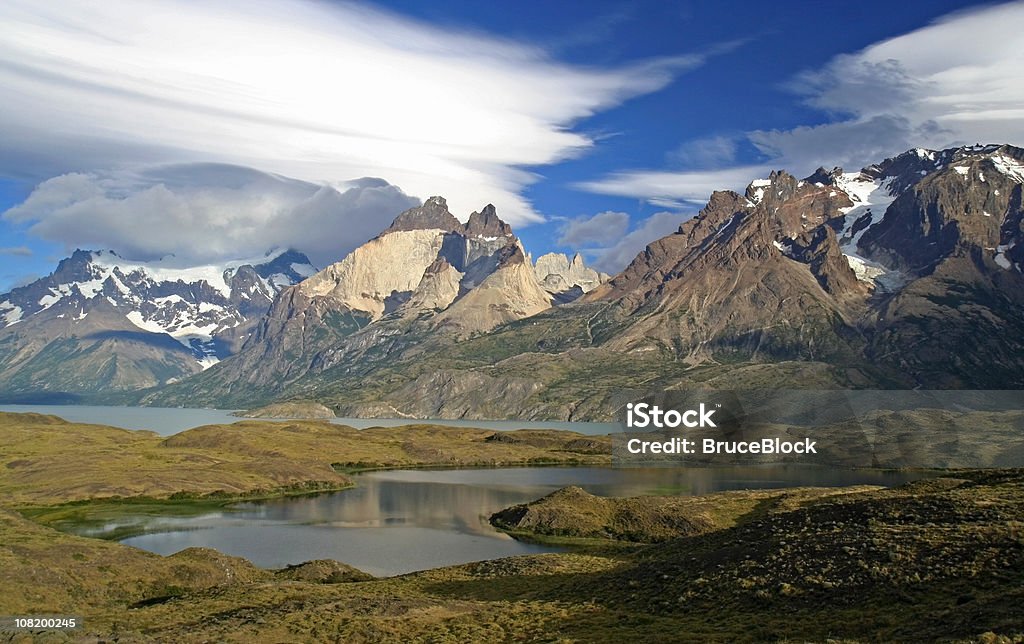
(136, 318)
(216, 275)
(12, 314)
(875, 274)
(868, 196)
(1009, 166)
(758, 186)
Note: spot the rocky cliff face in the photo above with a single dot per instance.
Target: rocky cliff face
(565, 279)
(427, 280)
(424, 262)
(511, 292)
(134, 324)
(386, 273)
(970, 201)
(438, 288)
(760, 275)
(954, 236)
(376, 277)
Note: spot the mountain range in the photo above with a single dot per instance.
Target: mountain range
(102, 323)
(907, 273)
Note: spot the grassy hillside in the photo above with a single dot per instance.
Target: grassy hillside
(48, 460)
(940, 559)
(74, 476)
(572, 513)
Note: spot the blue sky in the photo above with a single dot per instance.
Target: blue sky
(218, 130)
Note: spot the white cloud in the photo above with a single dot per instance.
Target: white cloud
(667, 188)
(207, 212)
(600, 229)
(957, 81)
(319, 91)
(19, 251)
(614, 258)
(849, 144)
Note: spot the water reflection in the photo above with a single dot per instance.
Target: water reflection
(401, 521)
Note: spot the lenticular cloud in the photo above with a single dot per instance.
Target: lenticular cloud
(316, 91)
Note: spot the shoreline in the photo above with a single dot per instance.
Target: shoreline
(103, 510)
(69, 515)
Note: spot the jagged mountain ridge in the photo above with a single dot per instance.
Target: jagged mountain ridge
(904, 274)
(911, 257)
(384, 274)
(426, 279)
(566, 279)
(137, 324)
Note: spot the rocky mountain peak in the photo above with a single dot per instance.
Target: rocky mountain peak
(76, 267)
(819, 250)
(509, 292)
(968, 201)
(432, 215)
(566, 279)
(778, 187)
(906, 169)
(783, 186)
(438, 288)
(440, 265)
(147, 322)
(511, 254)
(721, 206)
(825, 177)
(486, 223)
(424, 263)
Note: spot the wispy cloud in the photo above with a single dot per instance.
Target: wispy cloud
(957, 81)
(614, 259)
(319, 91)
(666, 187)
(600, 229)
(613, 253)
(18, 251)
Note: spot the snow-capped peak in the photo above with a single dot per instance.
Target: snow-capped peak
(192, 304)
